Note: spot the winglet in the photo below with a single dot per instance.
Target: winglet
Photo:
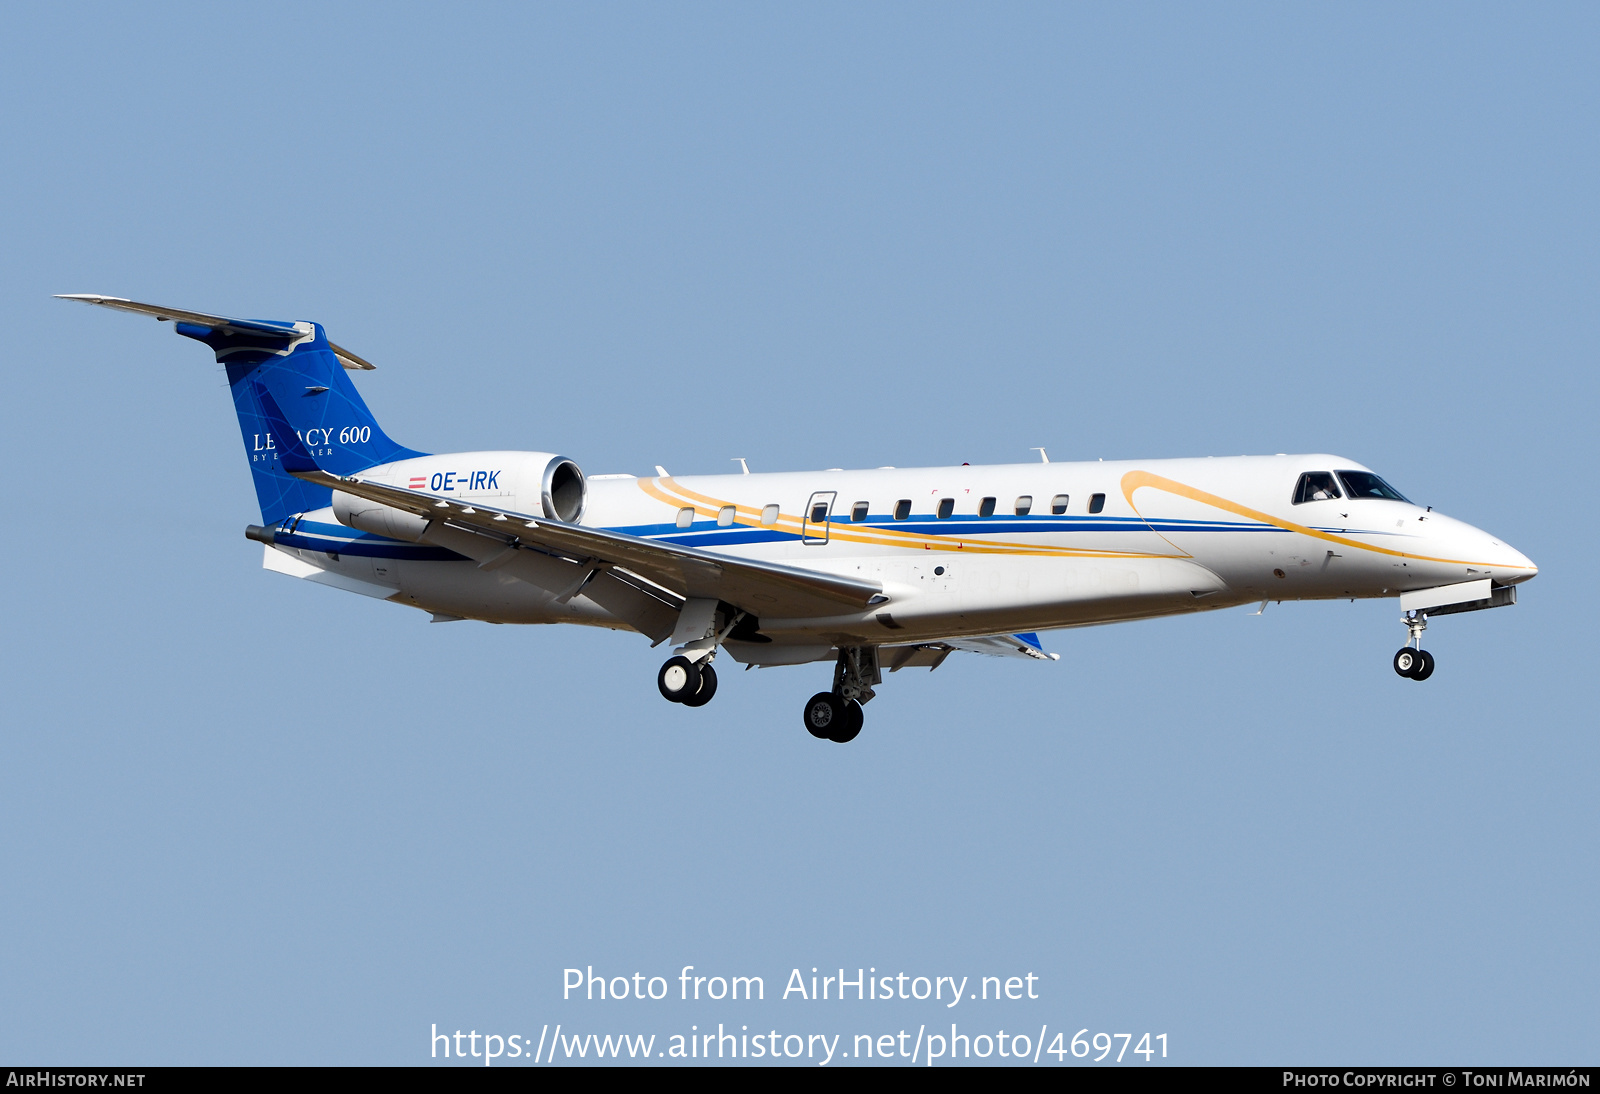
(292, 454)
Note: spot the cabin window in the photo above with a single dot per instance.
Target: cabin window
(769, 515)
(902, 509)
(858, 511)
(946, 507)
(1024, 505)
(819, 513)
(686, 516)
(1316, 486)
(1364, 484)
(1097, 502)
(1058, 504)
(986, 507)
(725, 516)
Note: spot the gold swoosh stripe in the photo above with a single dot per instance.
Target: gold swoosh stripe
(1135, 480)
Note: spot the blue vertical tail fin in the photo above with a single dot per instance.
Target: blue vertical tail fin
(307, 379)
(311, 386)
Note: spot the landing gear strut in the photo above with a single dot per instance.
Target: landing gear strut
(836, 715)
(1412, 661)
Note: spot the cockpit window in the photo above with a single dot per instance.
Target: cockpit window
(1364, 484)
(1316, 486)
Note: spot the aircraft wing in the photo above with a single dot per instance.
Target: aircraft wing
(217, 322)
(760, 588)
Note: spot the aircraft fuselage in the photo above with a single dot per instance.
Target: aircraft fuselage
(966, 550)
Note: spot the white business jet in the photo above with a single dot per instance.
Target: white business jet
(889, 568)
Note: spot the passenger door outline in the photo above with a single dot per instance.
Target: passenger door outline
(812, 531)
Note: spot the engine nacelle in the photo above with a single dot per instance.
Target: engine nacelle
(537, 483)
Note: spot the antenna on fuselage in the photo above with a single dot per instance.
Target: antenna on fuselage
(740, 461)
(1043, 458)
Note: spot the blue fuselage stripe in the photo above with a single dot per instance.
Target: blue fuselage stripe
(336, 538)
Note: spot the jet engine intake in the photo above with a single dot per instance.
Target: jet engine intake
(564, 491)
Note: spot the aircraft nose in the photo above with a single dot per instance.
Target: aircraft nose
(1507, 565)
(1482, 553)
(1516, 566)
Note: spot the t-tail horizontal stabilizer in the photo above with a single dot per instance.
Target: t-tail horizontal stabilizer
(221, 323)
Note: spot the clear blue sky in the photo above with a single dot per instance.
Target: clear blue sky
(247, 819)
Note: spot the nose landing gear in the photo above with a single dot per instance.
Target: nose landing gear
(1414, 663)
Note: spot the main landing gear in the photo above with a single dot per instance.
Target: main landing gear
(1414, 663)
(683, 681)
(836, 715)
(829, 715)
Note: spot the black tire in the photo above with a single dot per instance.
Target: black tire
(850, 727)
(708, 688)
(678, 679)
(1407, 661)
(823, 713)
(1425, 670)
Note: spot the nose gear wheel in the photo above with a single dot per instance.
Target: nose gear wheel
(1413, 664)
